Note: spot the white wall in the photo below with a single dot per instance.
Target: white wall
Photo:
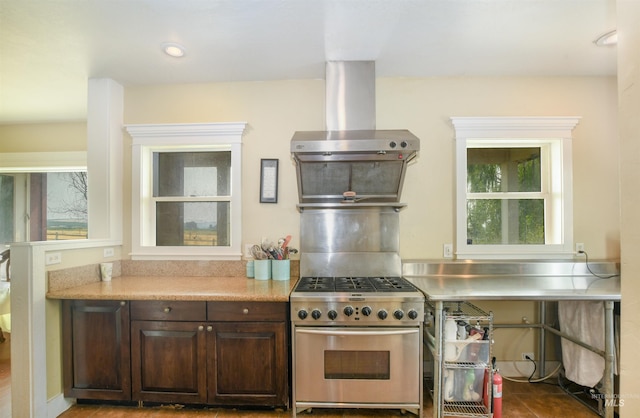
(44, 137)
(425, 107)
(274, 110)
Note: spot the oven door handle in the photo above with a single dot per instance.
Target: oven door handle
(368, 332)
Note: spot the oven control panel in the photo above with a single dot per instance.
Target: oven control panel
(388, 313)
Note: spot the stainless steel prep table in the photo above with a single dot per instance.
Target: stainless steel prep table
(533, 281)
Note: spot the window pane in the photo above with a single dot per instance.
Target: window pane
(66, 205)
(514, 221)
(503, 170)
(195, 174)
(6, 209)
(192, 223)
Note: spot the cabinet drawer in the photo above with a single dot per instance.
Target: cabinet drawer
(169, 310)
(247, 311)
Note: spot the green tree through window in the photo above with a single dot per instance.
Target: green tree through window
(499, 211)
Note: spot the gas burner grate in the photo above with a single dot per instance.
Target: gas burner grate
(316, 284)
(360, 284)
(354, 284)
(392, 284)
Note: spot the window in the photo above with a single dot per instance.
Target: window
(43, 196)
(191, 194)
(7, 215)
(55, 206)
(186, 191)
(514, 187)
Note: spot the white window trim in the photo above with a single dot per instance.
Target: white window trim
(509, 129)
(203, 136)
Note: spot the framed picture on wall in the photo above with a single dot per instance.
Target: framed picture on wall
(269, 180)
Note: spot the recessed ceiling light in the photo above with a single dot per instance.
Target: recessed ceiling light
(173, 49)
(609, 38)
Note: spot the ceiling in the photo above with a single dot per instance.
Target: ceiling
(50, 48)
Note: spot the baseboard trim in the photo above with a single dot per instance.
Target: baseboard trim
(58, 404)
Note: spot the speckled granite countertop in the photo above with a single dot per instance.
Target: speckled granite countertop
(180, 288)
(169, 280)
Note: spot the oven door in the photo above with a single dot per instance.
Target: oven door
(357, 365)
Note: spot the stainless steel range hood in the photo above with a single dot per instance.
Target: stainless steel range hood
(351, 162)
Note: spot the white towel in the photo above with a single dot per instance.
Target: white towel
(583, 320)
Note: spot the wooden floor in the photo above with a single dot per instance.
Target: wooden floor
(5, 377)
(521, 400)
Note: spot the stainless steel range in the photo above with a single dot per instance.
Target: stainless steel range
(356, 323)
(357, 343)
(359, 301)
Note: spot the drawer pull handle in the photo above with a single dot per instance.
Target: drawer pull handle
(210, 328)
(167, 309)
(201, 328)
(122, 303)
(245, 311)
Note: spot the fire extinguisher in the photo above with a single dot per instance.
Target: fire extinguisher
(497, 391)
(493, 389)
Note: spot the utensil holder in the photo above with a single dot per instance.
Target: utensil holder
(280, 269)
(250, 269)
(262, 269)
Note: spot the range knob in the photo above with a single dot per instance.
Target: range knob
(398, 314)
(315, 314)
(366, 311)
(404, 144)
(332, 314)
(412, 314)
(348, 310)
(302, 314)
(392, 144)
(382, 314)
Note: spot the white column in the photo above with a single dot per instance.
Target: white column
(628, 16)
(28, 335)
(105, 110)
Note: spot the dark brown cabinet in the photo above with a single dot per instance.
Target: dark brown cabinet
(219, 353)
(250, 361)
(169, 355)
(96, 349)
(192, 352)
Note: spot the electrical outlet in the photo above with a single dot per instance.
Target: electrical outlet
(108, 252)
(579, 247)
(247, 250)
(53, 258)
(525, 355)
(447, 250)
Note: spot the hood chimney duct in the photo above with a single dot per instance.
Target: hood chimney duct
(350, 95)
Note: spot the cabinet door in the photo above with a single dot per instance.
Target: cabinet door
(168, 361)
(96, 353)
(248, 363)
